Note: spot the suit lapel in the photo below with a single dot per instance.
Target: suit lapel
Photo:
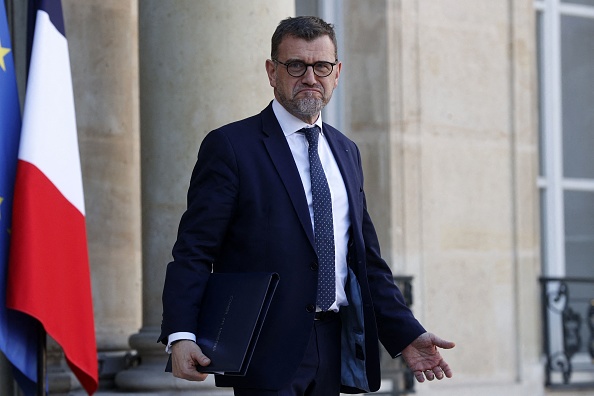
(282, 158)
(348, 170)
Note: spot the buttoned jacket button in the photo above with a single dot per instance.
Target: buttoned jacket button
(314, 266)
(310, 308)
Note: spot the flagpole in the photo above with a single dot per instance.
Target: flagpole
(41, 361)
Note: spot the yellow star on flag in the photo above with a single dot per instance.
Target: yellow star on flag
(1, 199)
(3, 52)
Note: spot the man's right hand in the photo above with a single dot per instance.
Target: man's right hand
(185, 356)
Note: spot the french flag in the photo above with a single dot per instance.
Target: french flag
(48, 275)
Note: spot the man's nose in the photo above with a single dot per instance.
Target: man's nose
(309, 77)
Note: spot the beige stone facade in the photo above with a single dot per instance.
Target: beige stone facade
(440, 96)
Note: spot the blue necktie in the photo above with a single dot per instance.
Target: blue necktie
(323, 225)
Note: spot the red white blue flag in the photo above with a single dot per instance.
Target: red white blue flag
(49, 277)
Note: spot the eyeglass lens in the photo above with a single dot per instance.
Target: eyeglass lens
(321, 69)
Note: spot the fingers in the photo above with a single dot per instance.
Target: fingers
(438, 372)
(440, 342)
(201, 358)
(419, 376)
(185, 356)
(446, 369)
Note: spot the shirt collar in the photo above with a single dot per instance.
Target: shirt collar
(288, 122)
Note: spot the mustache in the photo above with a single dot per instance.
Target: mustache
(300, 88)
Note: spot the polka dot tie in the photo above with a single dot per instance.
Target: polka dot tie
(323, 225)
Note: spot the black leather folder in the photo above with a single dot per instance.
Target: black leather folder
(231, 316)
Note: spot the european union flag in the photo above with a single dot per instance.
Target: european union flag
(18, 339)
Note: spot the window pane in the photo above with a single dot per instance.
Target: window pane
(541, 99)
(577, 55)
(582, 2)
(579, 233)
(544, 232)
(579, 251)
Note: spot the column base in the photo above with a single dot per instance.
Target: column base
(60, 379)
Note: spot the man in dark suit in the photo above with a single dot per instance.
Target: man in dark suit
(283, 192)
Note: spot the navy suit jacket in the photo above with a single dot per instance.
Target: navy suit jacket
(247, 211)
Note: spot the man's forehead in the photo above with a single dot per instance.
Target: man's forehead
(295, 47)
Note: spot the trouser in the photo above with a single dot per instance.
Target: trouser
(319, 371)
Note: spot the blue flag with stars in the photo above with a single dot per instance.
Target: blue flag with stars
(18, 340)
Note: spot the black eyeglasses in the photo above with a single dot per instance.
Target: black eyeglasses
(298, 68)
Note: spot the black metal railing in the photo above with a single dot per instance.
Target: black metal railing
(568, 331)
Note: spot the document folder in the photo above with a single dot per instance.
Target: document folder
(231, 316)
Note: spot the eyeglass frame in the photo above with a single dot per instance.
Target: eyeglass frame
(286, 65)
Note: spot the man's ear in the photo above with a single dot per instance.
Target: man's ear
(338, 68)
(271, 72)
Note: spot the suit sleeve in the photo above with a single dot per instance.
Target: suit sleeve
(211, 203)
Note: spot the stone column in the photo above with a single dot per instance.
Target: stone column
(201, 65)
(103, 43)
(103, 46)
(373, 112)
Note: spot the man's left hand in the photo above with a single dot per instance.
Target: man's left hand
(423, 358)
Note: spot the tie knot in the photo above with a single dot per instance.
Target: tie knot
(312, 134)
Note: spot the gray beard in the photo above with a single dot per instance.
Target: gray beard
(308, 106)
(303, 108)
